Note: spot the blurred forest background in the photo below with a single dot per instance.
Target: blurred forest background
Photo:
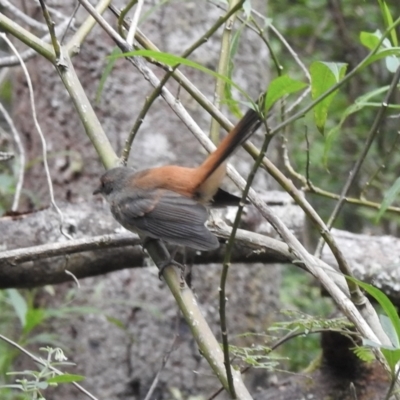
(118, 327)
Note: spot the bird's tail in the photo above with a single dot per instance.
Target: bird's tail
(211, 172)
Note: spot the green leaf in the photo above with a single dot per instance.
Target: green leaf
(390, 324)
(383, 300)
(280, 87)
(383, 53)
(324, 75)
(388, 199)
(387, 51)
(389, 330)
(387, 17)
(174, 61)
(392, 63)
(370, 40)
(42, 385)
(247, 8)
(364, 353)
(66, 378)
(371, 344)
(34, 317)
(19, 305)
(392, 357)
(117, 322)
(106, 73)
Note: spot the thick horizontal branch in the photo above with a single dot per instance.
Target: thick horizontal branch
(47, 264)
(35, 253)
(19, 256)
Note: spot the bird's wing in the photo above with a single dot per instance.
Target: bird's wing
(169, 216)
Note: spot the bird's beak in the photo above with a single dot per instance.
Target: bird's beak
(97, 190)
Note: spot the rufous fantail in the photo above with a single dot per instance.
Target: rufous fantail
(169, 202)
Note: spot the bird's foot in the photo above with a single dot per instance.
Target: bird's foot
(169, 261)
(166, 263)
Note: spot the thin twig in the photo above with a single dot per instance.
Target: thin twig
(21, 152)
(70, 22)
(134, 23)
(162, 366)
(260, 32)
(392, 384)
(118, 39)
(309, 187)
(171, 72)
(33, 23)
(290, 49)
(39, 129)
(381, 167)
(50, 24)
(353, 392)
(74, 278)
(289, 336)
(222, 69)
(229, 248)
(84, 29)
(26, 55)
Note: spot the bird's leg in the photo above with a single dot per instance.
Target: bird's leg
(169, 261)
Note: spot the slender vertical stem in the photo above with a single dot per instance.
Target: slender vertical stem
(223, 65)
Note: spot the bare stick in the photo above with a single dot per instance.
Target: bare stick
(39, 129)
(21, 151)
(132, 29)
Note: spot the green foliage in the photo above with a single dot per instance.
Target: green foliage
(20, 318)
(66, 378)
(324, 75)
(258, 356)
(174, 61)
(385, 49)
(6, 91)
(388, 20)
(364, 354)
(279, 87)
(34, 382)
(390, 324)
(7, 189)
(300, 293)
(306, 312)
(302, 299)
(296, 339)
(309, 28)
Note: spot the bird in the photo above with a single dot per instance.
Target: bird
(169, 203)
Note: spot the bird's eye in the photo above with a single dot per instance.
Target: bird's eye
(107, 187)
